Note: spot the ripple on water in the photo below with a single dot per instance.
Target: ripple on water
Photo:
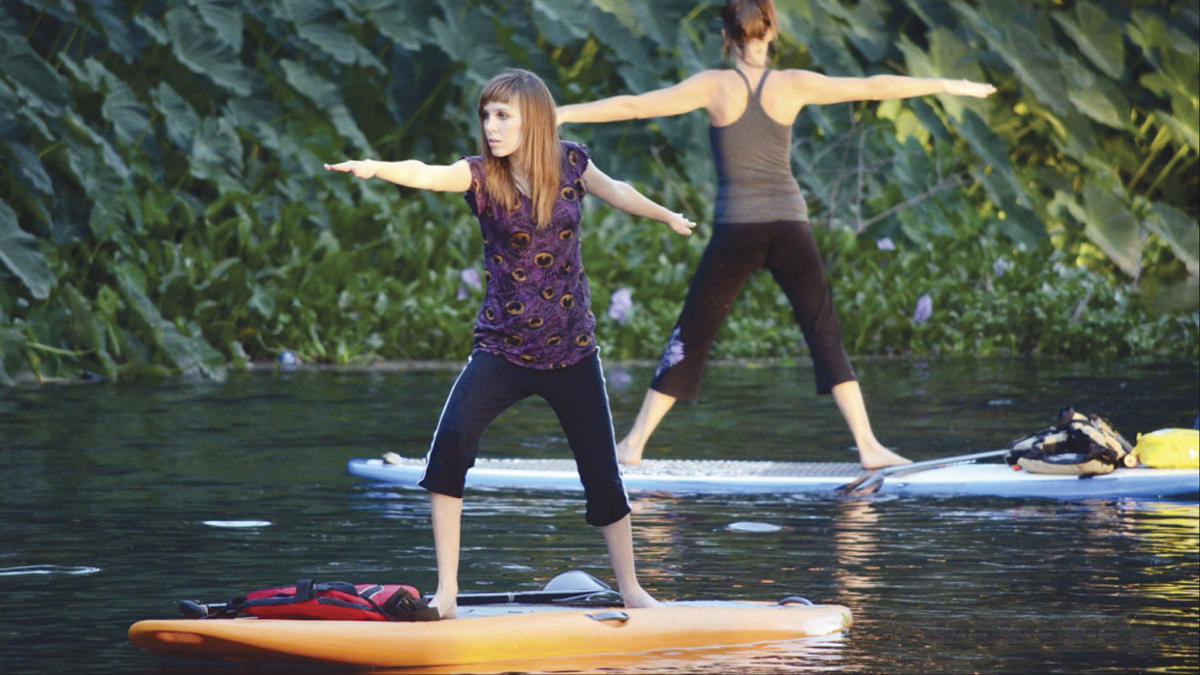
(750, 526)
(48, 570)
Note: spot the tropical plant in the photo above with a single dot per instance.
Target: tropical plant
(163, 208)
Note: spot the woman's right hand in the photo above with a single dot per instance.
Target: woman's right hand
(968, 88)
(361, 168)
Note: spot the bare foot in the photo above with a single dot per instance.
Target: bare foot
(877, 456)
(628, 453)
(447, 609)
(639, 598)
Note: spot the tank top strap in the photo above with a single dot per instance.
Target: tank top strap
(757, 96)
(746, 80)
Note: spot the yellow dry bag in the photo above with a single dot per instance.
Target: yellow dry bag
(1169, 449)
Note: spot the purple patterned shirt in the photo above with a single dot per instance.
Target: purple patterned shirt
(536, 310)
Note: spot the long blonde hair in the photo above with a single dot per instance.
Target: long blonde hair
(539, 151)
(746, 20)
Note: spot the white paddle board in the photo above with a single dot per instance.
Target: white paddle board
(751, 477)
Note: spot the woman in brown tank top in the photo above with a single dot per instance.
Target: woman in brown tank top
(760, 219)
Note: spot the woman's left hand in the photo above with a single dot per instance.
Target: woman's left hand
(680, 224)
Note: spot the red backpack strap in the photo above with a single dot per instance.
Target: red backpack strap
(406, 604)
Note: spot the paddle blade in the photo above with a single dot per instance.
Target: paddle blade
(571, 588)
(575, 581)
(867, 484)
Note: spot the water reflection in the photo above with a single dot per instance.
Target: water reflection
(855, 550)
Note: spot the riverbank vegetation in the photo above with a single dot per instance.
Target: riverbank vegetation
(163, 207)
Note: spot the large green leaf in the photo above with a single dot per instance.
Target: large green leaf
(177, 114)
(406, 24)
(1179, 230)
(85, 329)
(1149, 30)
(27, 166)
(949, 57)
(121, 107)
(1019, 47)
(326, 96)
(809, 23)
(127, 114)
(216, 152)
(152, 28)
(865, 25)
(110, 16)
(34, 80)
(561, 21)
(318, 26)
(224, 17)
(1095, 95)
(1112, 227)
(198, 47)
(12, 353)
(470, 38)
(1183, 126)
(1176, 79)
(637, 64)
(96, 164)
(191, 355)
(19, 253)
(990, 147)
(1097, 35)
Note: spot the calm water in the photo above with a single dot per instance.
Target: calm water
(110, 491)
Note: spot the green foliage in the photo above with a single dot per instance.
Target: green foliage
(163, 209)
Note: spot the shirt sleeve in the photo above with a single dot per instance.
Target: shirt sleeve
(575, 164)
(475, 197)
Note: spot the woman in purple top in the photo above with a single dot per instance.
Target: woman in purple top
(534, 332)
(760, 219)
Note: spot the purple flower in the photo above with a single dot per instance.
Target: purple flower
(885, 244)
(924, 309)
(618, 378)
(469, 278)
(1001, 266)
(620, 305)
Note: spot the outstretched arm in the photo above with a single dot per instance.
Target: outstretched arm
(411, 173)
(623, 196)
(696, 92)
(811, 88)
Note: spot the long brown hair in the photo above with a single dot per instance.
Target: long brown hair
(746, 20)
(539, 151)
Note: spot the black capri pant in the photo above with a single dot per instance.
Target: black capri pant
(489, 385)
(736, 251)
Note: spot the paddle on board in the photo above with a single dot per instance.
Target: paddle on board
(575, 587)
(870, 482)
